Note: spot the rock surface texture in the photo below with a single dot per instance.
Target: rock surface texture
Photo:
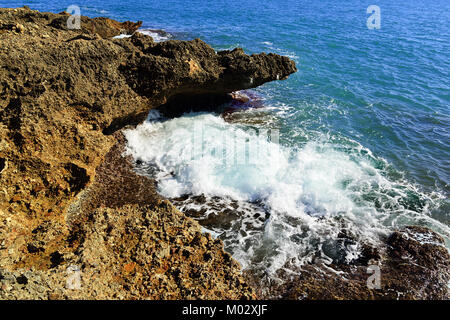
(76, 222)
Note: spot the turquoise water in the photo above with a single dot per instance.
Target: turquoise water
(373, 102)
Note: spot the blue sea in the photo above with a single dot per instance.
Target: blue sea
(364, 124)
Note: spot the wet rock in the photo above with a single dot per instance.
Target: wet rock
(413, 263)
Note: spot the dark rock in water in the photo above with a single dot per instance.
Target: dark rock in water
(246, 107)
(246, 99)
(233, 221)
(242, 100)
(413, 263)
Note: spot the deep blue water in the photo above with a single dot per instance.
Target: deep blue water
(387, 89)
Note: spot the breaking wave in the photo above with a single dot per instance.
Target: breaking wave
(274, 204)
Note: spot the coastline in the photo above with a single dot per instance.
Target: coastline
(70, 198)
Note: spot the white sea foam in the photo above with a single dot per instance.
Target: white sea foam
(158, 36)
(270, 46)
(312, 193)
(121, 36)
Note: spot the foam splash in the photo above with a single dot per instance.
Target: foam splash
(122, 36)
(157, 35)
(312, 192)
